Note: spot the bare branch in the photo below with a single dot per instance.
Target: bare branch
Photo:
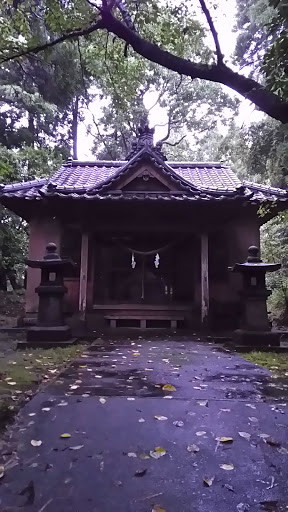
(175, 143)
(212, 30)
(74, 34)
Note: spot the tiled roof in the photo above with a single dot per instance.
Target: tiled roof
(94, 180)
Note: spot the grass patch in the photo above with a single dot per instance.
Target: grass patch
(271, 360)
(21, 372)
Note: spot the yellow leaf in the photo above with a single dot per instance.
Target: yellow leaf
(36, 443)
(2, 471)
(225, 439)
(160, 418)
(157, 452)
(65, 436)
(208, 481)
(168, 387)
(158, 508)
(227, 467)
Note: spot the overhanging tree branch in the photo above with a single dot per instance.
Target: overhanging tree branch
(213, 31)
(74, 34)
(264, 99)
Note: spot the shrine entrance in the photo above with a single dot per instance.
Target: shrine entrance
(146, 278)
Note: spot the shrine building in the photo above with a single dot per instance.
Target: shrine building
(152, 240)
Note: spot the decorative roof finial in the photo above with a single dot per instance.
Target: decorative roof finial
(144, 139)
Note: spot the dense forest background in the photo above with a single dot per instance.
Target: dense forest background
(69, 62)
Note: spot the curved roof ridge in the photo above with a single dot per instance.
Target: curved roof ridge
(262, 186)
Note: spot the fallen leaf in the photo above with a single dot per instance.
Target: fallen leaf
(246, 435)
(193, 448)
(32, 414)
(62, 404)
(178, 423)
(160, 418)
(225, 410)
(2, 471)
(251, 406)
(102, 400)
(200, 433)
(204, 403)
(131, 454)
(242, 507)
(46, 409)
(12, 383)
(229, 487)
(144, 456)
(76, 447)
(140, 472)
(158, 508)
(227, 467)
(36, 443)
(65, 436)
(208, 481)
(130, 398)
(253, 419)
(118, 483)
(224, 439)
(74, 386)
(168, 387)
(264, 436)
(141, 420)
(157, 452)
(283, 450)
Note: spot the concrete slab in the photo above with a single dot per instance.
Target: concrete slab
(102, 400)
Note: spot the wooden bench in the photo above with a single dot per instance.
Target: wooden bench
(143, 319)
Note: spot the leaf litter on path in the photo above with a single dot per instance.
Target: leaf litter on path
(224, 439)
(168, 387)
(208, 481)
(193, 448)
(160, 418)
(227, 467)
(246, 435)
(157, 452)
(35, 442)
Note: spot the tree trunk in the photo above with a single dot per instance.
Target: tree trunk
(75, 127)
(3, 281)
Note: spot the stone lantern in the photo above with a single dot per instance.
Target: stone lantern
(50, 327)
(255, 327)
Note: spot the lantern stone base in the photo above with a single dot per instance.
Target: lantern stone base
(244, 337)
(53, 335)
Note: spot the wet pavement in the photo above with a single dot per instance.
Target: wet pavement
(121, 458)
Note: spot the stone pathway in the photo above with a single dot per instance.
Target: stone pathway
(121, 458)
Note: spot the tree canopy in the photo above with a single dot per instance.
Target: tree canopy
(165, 34)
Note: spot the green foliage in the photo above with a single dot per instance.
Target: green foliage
(275, 63)
(262, 42)
(274, 248)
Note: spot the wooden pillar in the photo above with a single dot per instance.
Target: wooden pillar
(83, 274)
(204, 279)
